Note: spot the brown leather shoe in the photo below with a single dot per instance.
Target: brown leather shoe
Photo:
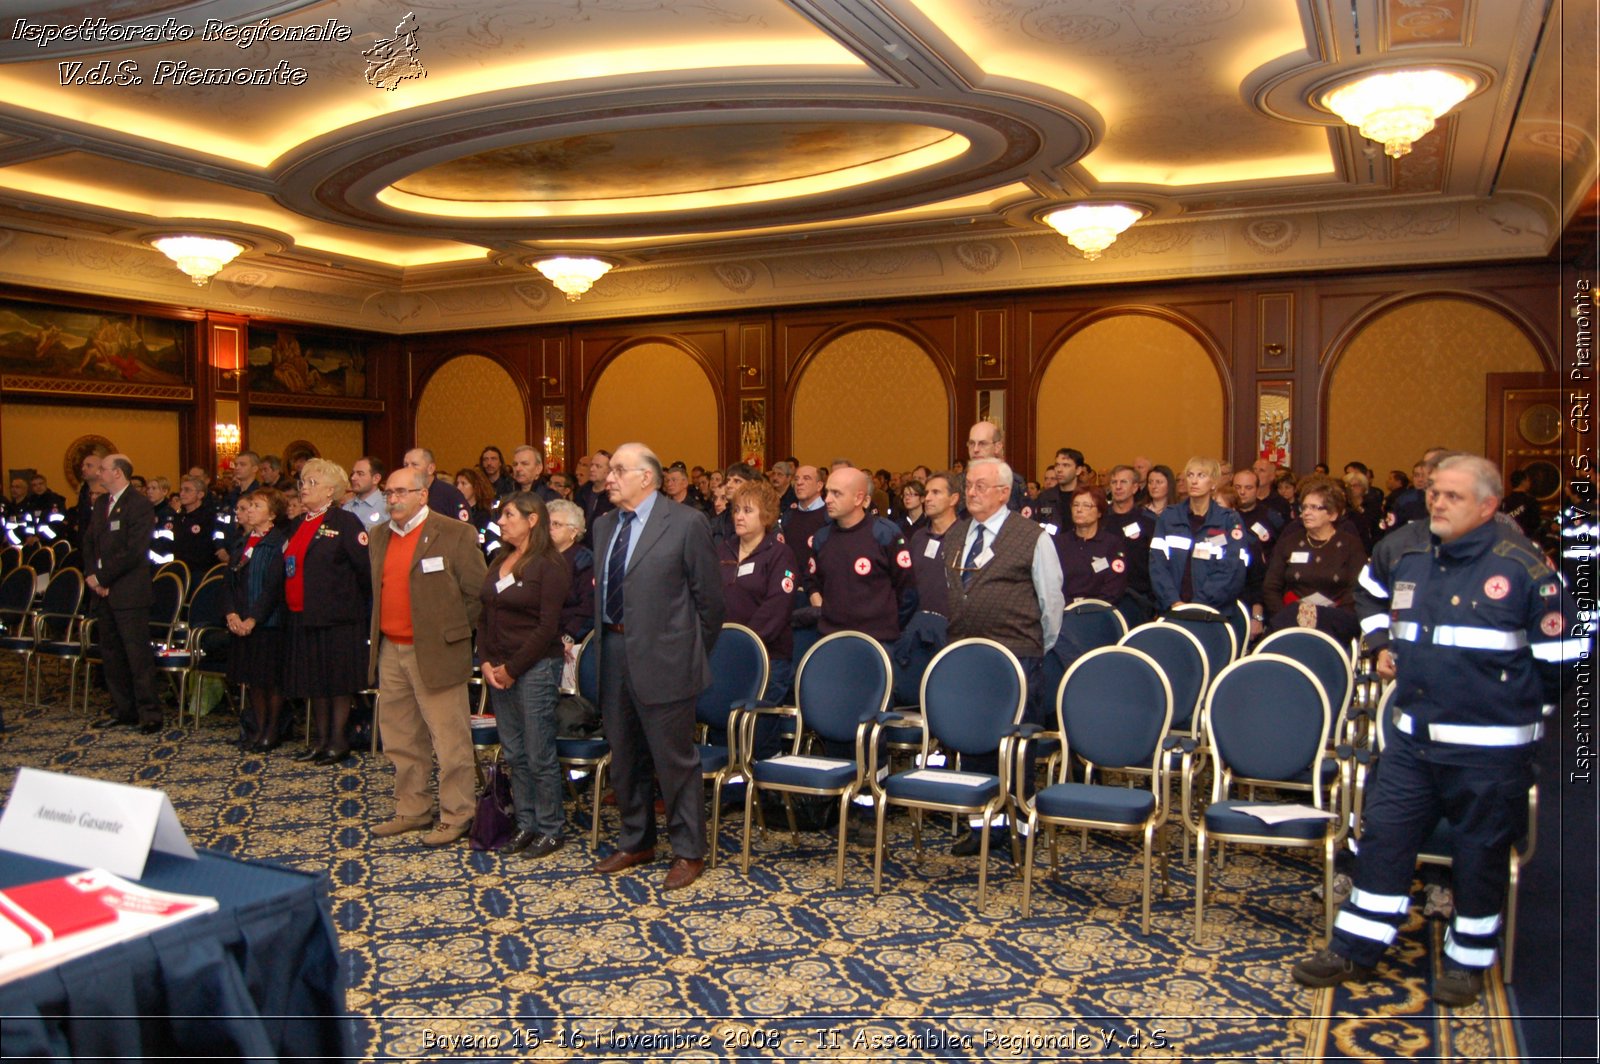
(445, 834)
(623, 859)
(684, 870)
(402, 824)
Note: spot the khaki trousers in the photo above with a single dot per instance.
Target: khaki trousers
(418, 722)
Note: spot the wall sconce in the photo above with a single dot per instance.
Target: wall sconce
(1274, 349)
(1398, 107)
(228, 443)
(201, 257)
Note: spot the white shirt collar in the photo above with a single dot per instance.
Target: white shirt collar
(416, 519)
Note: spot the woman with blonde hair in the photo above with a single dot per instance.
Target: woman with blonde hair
(327, 589)
(1197, 553)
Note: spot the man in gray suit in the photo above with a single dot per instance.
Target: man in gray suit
(658, 611)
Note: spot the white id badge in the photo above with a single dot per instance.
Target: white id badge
(1052, 529)
(1299, 557)
(746, 569)
(115, 525)
(505, 582)
(1131, 530)
(1403, 594)
(433, 565)
(1099, 565)
(932, 549)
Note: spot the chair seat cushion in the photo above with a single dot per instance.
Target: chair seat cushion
(1046, 748)
(17, 643)
(60, 648)
(819, 773)
(574, 749)
(903, 736)
(712, 758)
(943, 787)
(1330, 769)
(1223, 817)
(1087, 801)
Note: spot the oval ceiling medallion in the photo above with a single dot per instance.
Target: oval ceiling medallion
(684, 167)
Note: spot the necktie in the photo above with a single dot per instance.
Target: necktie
(617, 567)
(971, 564)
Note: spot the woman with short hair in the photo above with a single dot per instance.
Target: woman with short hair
(1311, 577)
(1197, 552)
(252, 605)
(758, 579)
(566, 531)
(327, 589)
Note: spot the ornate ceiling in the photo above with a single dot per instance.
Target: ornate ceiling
(395, 166)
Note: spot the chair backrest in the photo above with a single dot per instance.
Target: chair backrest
(60, 549)
(64, 595)
(1267, 719)
(1238, 619)
(205, 605)
(1208, 626)
(1114, 706)
(1093, 623)
(181, 571)
(73, 560)
(166, 599)
(972, 694)
(43, 560)
(738, 674)
(216, 571)
(1322, 654)
(843, 680)
(589, 668)
(10, 558)
(17, 591)
(1181, 657)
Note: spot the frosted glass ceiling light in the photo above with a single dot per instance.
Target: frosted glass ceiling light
(574, 276)
(1398, 107)
(201, 257)
(1093, 227)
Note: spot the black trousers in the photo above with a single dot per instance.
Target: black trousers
(129, 663)
(650, 740)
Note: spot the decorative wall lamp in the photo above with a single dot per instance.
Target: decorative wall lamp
(201, 257)
(228, 442)
(1398, 107)
(573, 275)
(1093, 227)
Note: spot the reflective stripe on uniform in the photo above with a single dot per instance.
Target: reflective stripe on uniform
(1475, 734)
(1476, 925)
(1160, 544)
(1391, 904)
(1560, 649)
(1179, 542)
(1361, 927)
(1466, 955)
(1373, 623)
(1373, 587)
(1461, 635)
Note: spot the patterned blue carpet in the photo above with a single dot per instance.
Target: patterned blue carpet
(469, 955)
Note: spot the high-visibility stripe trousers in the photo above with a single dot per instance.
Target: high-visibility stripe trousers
(1483, 793)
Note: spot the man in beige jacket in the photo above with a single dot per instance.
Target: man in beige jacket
(427, 576)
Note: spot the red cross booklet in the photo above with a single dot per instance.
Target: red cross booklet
(46, 923)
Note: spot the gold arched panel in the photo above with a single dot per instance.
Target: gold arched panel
(872, 396)
(1414, 379)
(1129, 385)
(658, 395)
(469, 403)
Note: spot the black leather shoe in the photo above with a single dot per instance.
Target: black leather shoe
(150, 727)
(264, 747)
(1458, 987)
(308, 754)
(520, 841)
(543, 846)
(1327, 968)
(110, 722)
(331, 757)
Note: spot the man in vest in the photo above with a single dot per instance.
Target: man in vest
(1004, 579)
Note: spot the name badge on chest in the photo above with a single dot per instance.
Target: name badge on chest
(747, 569)
(504, 582)
(1404, 592)
(932, 549)
(433, 565)
(115, 525)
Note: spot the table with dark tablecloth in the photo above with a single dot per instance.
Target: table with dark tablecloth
(259, 977)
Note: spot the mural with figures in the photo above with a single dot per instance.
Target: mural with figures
(286, 360)
(41, 340)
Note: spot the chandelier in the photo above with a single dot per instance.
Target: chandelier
(1398, 107)
(198, 256)
(573, 275)
(1093, 227)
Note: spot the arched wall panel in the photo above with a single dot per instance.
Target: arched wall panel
(1127, 385)
(874, 396)
(1413, 378)
(467, 404)
(657, 394)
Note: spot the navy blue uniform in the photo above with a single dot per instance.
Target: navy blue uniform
(1479, 628)
(1204, 565)
(864, 576)
(445, 498)
(1261, 530)
(1096, 567)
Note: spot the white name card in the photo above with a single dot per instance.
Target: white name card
(89, 823)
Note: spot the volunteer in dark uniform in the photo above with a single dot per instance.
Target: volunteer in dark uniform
(567, 533)
(252, 604)
(482, 502)
(1137, 528)
(1473, 627)
(928, 630)
(1094, 561)
(492, 464)
(911, 515)
(1522, 507)
(758, 582)
(1051, 507)
(443, 497)
(328, 592)
(1197, 555)
(193, 535)
(1315, 561)
(1261, 528)
(801, 522)
(861, 565)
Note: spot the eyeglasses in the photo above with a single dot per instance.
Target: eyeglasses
(619, 470)
(1316, 506)
(978, 485)
(395, 493)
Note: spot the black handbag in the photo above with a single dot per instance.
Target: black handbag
(495, 820)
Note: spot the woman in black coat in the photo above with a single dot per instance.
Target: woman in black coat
(252, 604)
(328, 594)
